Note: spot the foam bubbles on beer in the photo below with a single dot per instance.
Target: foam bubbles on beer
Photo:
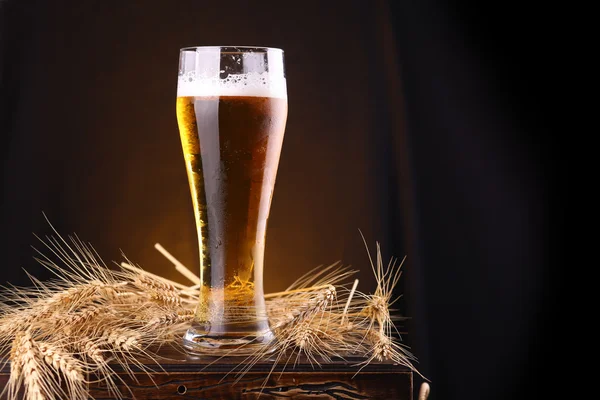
(248, 84)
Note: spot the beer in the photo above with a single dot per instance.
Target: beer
(231, 137)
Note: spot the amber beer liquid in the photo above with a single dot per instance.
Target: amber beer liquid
(231, 138)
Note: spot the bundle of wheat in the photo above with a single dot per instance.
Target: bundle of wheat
(63, 334)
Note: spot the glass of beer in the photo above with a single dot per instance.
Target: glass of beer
(231, 114)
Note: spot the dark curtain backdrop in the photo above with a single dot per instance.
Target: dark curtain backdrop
(407, 120)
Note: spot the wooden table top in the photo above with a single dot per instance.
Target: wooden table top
(185, 376)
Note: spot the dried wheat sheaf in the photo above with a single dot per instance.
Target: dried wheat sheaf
(63, 334)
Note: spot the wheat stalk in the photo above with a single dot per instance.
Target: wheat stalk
(122, 339)
(71, 368)
(71, 322)
(61, 361)
(27, 359)
(159, 291)
(16, 369)
(170, 318)
(30, 369)
(283, 316)
(90, 350)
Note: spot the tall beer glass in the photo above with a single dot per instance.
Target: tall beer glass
(231, 113)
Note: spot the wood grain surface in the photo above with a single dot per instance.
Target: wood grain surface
(182, 376)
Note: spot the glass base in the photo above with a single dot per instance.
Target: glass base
(199, 342)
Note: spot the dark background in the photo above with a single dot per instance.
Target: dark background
(417, 122)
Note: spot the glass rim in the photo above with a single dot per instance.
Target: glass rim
(232, 49)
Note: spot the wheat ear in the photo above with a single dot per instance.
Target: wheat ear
(35, 387)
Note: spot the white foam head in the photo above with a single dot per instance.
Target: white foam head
(257, 74)
(249, 84)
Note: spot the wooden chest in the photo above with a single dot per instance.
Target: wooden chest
(181, 376)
